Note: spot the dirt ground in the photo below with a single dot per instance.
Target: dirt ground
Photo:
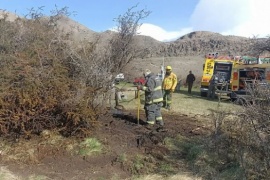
(122, 137)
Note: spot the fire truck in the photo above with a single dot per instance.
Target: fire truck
(222, 66)
(248, 76)
(235, 74)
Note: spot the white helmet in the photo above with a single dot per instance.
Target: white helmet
(146, 72)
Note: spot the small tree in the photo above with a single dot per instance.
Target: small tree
(97, 66)
(260, 46)
(122, 49)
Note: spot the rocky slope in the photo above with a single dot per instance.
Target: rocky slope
(192, 44)
(201, 43)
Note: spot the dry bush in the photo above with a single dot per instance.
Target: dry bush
(48, 82)
(37, 92)
(35, 81)
(244, 136)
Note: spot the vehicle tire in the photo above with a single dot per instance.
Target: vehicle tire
(233, 100)
(203, 94)
(240, 101)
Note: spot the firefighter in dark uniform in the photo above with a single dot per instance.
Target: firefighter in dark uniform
(212, 86)
(153, 98)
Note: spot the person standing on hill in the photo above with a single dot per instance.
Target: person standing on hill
(153, 98)
(168, 86)
(189, 81)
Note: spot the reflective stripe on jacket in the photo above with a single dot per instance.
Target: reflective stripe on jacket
(169, 82)
(152, 88)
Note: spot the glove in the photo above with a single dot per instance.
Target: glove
(139, 87)
(172, 90)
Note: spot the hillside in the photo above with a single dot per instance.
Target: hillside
(187, 52)
(191, 44)
(184, 54)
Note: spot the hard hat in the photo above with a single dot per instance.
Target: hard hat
(168, 68)
(146, 72)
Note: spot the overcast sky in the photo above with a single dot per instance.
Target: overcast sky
(169, 19)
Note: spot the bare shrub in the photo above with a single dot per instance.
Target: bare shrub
(260, 46)
(122, 49)
(96, 66)
(244, 136)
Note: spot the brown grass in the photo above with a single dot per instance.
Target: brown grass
(5, 174)
(180, 176)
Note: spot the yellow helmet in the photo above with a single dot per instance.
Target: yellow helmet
(169, 68)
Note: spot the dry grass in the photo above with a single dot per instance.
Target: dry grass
(180, 176)
(184, 103)
(181, 65)
(33, 151)
(5, 174)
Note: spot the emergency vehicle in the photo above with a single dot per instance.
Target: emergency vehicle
(222, 66)
(246, 76)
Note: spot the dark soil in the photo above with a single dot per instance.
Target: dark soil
(122, 137)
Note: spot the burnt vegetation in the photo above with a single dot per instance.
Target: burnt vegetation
(50, 83)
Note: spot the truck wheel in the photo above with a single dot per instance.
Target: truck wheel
(233, 100)
(240, 101)
(203, 94)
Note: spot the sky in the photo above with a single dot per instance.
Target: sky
(168, 20)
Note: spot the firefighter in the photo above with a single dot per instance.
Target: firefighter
(212, 86)
(168, 86)
(189, 81)
(153, 98)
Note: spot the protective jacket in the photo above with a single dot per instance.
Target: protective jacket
(152, 88)
(169, 82)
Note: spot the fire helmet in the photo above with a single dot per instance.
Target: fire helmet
(168, 68)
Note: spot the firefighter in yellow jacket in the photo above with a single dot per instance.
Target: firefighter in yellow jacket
(168, 86)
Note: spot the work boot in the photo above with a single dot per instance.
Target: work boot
(150, 125)
(161, 129)
(160, 123)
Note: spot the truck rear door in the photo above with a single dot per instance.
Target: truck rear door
(224, 70)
